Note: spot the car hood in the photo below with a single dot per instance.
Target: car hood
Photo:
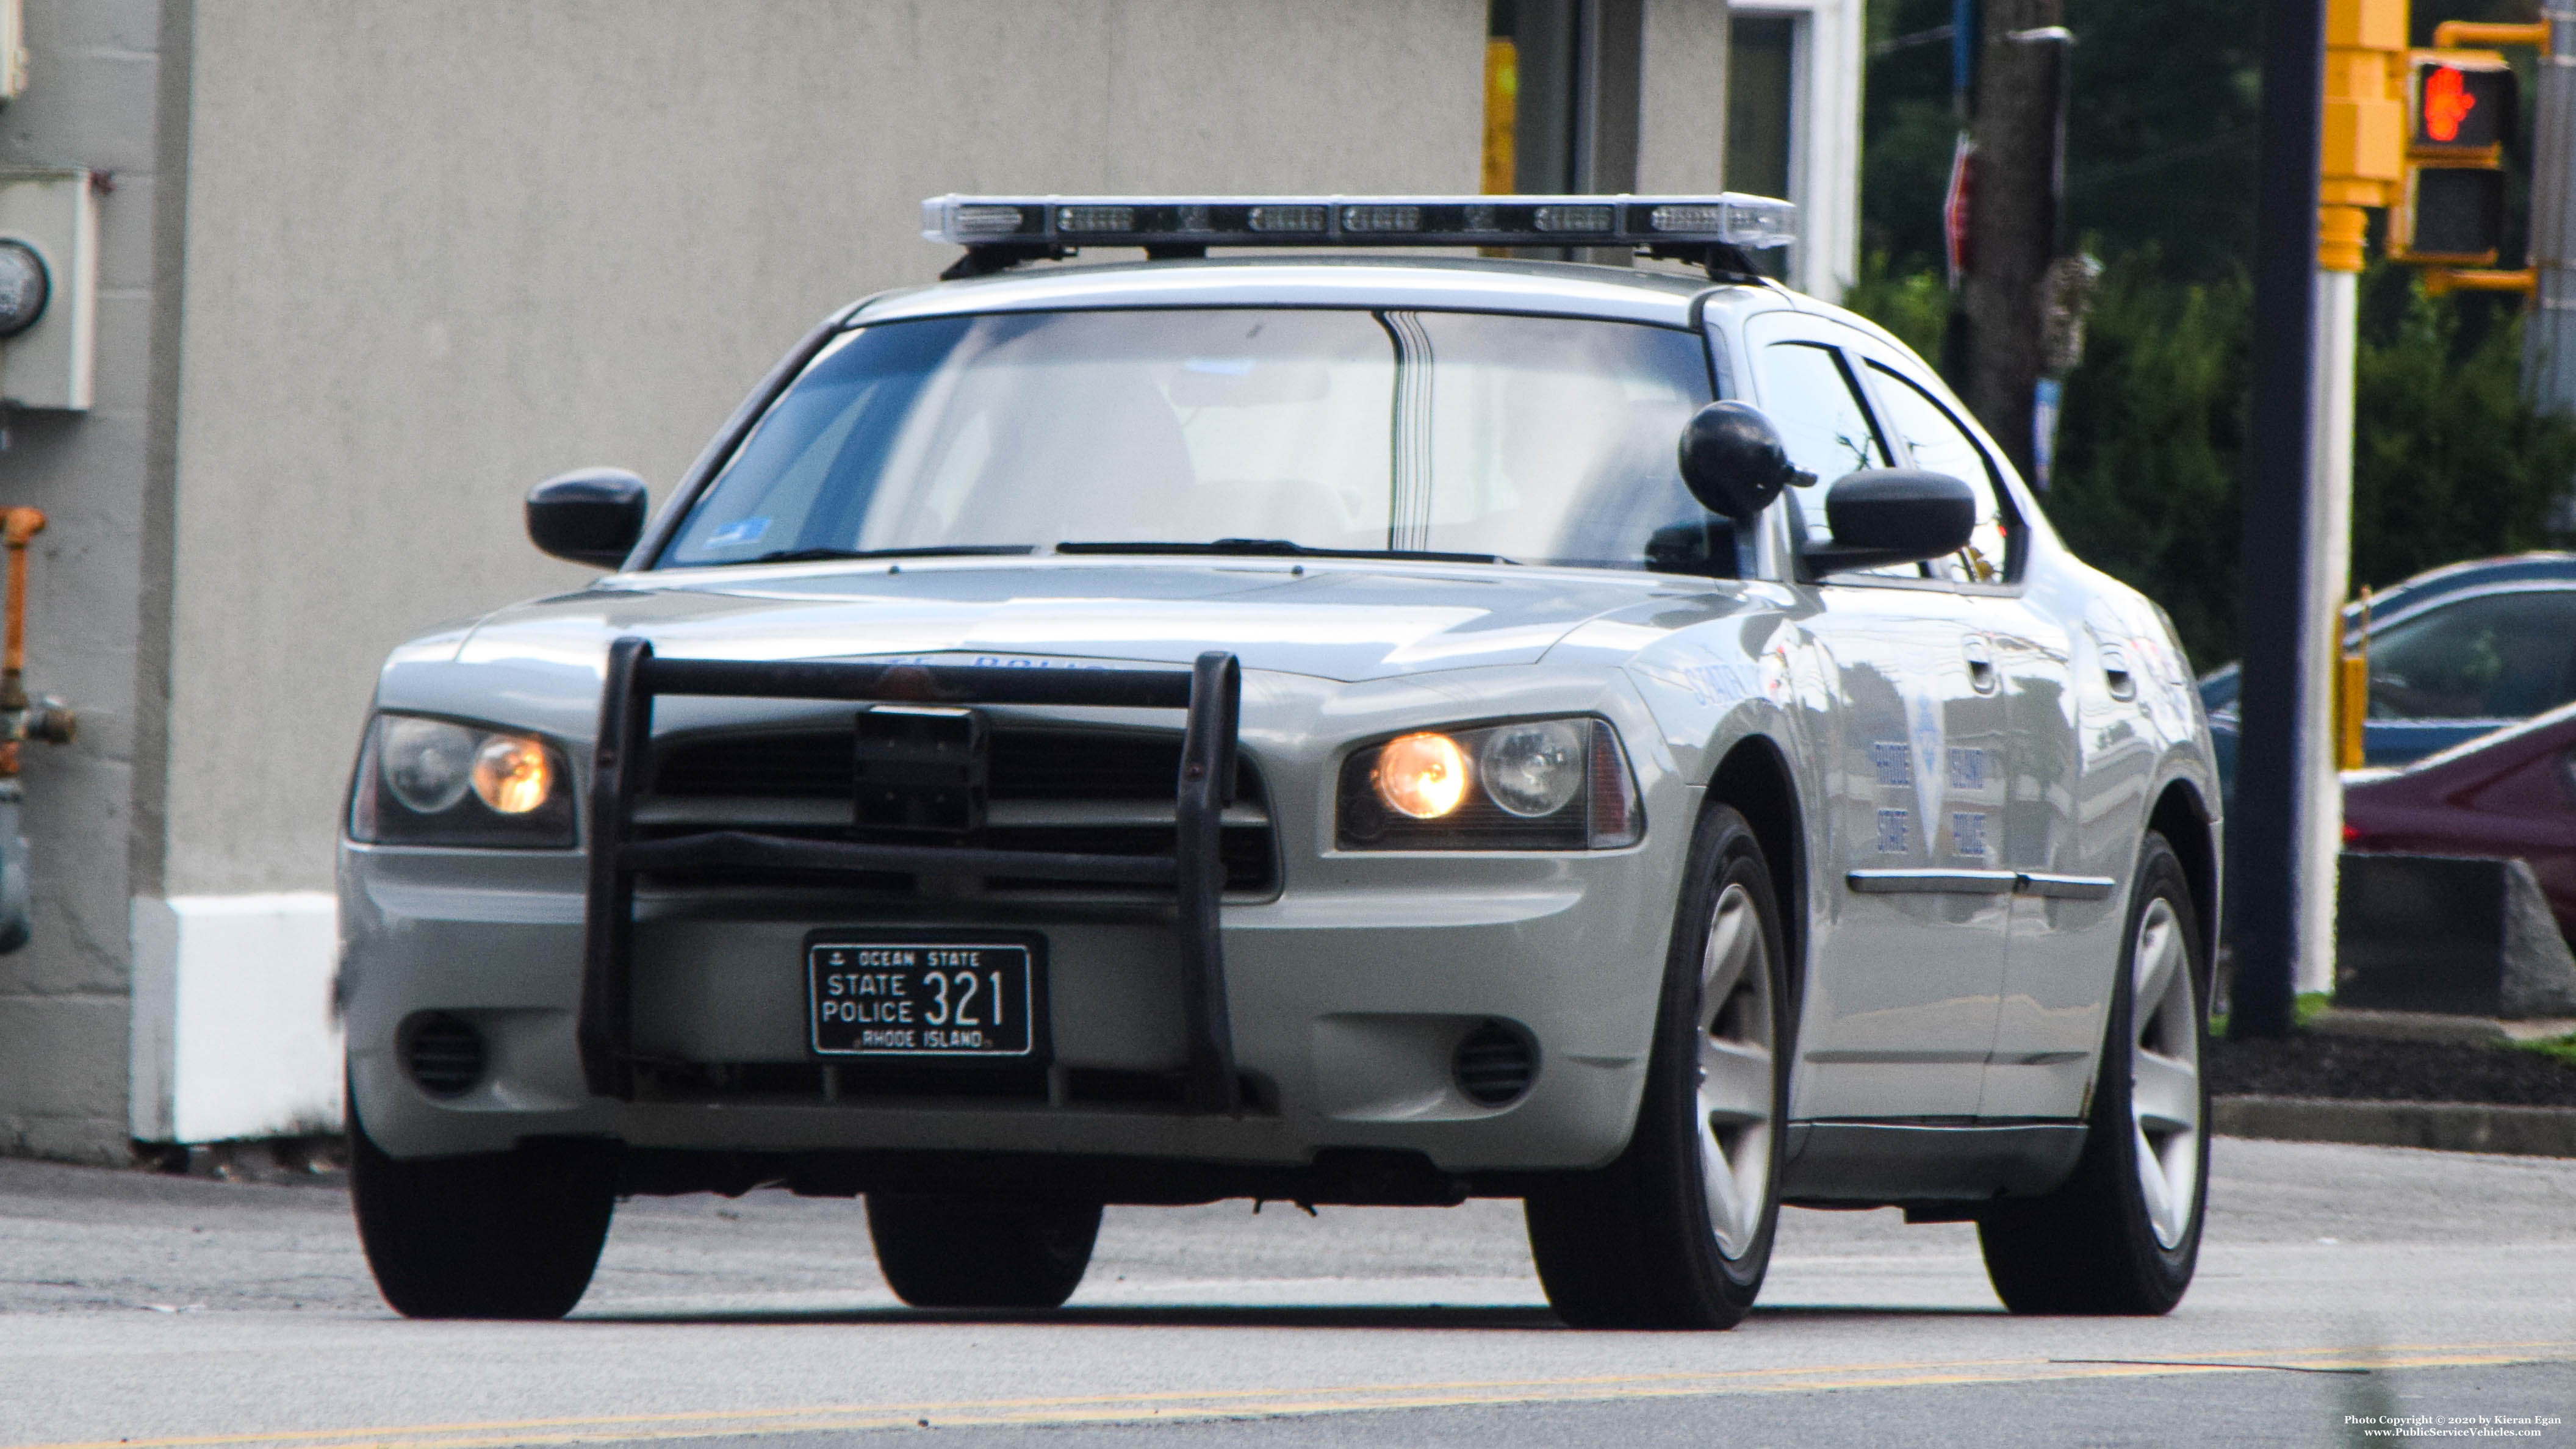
(1324, 618)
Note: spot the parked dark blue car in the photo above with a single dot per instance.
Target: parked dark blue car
(2455, 652)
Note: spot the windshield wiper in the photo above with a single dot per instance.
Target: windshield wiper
(1279, 548)
(943, 550)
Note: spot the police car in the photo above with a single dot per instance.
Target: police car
(1309, 723)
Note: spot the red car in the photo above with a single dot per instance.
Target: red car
(2510, 793)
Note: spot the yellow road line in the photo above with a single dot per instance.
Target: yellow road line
(1283, 1401)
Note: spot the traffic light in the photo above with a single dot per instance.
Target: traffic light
(2460, 105)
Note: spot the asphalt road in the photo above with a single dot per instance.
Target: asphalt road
(154, 1311)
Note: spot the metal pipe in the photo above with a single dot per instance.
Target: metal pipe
(2454, 34)
(17, 526)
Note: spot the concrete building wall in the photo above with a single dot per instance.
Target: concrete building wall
(1681, 109)
(438, 252)
(95, 610)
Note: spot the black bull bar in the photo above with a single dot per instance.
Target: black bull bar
(1210, 694)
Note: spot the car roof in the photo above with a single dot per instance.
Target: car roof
(1573, 289)
(2475, 574)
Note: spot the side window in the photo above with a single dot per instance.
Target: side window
(1936, 442)
(2504, 656)
(1810, 397)
(1809, 394)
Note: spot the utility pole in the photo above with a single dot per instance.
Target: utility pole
(2549, 333)
(2266, 835)
(2012, 215)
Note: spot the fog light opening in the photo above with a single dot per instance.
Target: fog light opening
(445, 1056)
(1495, 1064)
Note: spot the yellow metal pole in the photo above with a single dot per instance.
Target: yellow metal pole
(2460, 34)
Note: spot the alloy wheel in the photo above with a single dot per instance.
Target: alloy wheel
(1736, 1102)
(2164, 1065)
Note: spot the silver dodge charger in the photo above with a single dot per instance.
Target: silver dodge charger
(1327, 724)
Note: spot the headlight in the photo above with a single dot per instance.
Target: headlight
(1544, 784)
(424, 781)
(1423, 776)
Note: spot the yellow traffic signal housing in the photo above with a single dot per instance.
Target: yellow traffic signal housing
(2362, 139)
(2460, 107)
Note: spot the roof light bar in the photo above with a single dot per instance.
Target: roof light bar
(1049, 225)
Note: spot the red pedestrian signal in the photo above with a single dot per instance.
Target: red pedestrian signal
(2461, 103)
(2447, 103)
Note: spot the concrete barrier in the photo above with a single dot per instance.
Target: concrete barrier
(2449, 934)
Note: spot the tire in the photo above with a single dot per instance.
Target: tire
(2122, 1234)
(496, 1235)
(1676, 1234)
(939, 1250)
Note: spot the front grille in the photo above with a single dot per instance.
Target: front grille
(1026, 765)
(1104, 792)
(1495, 1065)
(445, 1056)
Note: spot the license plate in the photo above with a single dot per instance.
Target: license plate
(968, 996)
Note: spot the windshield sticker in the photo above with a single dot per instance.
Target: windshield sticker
(741, 533)
(1219, 366)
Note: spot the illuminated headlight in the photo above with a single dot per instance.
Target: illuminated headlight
(424, 781)
(1544, 784)
(1421, 776)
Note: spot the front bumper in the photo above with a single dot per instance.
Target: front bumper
(1346, 1006)
(1348, 990)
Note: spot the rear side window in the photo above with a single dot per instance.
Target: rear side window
(2503, 656)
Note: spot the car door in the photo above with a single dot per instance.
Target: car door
(2048, 1015)
(1899, 1006)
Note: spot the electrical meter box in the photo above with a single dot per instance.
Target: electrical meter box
(53, 212)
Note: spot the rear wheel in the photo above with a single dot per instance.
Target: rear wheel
(495, 1235)
(1677, 1232)
(2122, 1235)
(941, 1250)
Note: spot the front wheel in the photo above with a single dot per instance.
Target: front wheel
(1677, 1232)
(944, 1250)
(2122, 1235)
(495, 1235)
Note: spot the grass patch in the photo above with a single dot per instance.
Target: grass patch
(2303, 1009)
(2563, 1048)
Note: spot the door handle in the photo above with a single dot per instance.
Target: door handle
(1981, 663)
(2115, 672)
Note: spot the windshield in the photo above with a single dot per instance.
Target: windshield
(1530, 438)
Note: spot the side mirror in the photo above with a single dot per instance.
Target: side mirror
(1882, 516)
(591, 515)
(1733, 462)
